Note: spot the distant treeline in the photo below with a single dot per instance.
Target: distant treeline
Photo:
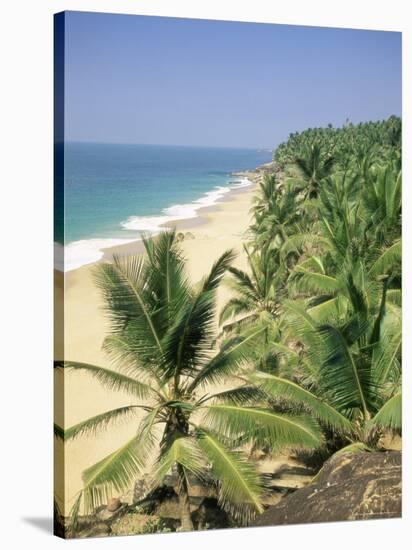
(352, 140)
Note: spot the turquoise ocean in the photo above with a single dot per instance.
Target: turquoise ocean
(115, 192)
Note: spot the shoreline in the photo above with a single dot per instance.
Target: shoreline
(204, 217)
(92, 247)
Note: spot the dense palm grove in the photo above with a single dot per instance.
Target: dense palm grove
(325, 278)
(308, 352)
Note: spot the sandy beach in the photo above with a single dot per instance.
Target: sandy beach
(217, 229)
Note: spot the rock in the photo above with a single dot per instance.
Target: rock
(133, 524)
(169, 508)
(150, 503)
(284, 474)
(189, 236)
(349, 487)
(113, 504)
(179, 237)
(140, 491)
(104, 514)
(210, 516)
(128, 497)
(390, 442)
(197, 489)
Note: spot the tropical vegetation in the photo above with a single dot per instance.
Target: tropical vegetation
(336, 289)
(308, 354)
(160, 344)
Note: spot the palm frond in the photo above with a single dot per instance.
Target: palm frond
(240, 325)
(283, 389)
(119, 469)
(240, 489)
(126, 352)
(300, 241)
(129, 300)
(74, 513)
(264, 426)
(235, 306)
(187, 342)
(329, 309)
(387, 260)
(219, 268)
(100, 422)
(303, 327)
(228, 360)
(386, 354)
(166, 279)
(244, 283)
(343, 378)
(183, 450)
(317, 282)
(110, 379)
(390, 415)
(239, 396)
(114, 472)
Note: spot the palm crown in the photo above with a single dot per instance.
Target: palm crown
(162, 330)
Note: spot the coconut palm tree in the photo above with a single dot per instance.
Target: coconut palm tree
(351, 371)
(256, 302)
(313, 166)
(191, 405)
(266, 195)
(276, 214)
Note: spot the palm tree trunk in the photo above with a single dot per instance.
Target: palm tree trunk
(184, 506)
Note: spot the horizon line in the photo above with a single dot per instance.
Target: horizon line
(93, 142)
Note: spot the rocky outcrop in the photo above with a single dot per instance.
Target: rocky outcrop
(163, 502)
(351, 486)
(158, 507)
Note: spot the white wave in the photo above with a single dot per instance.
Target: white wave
(154, 224)
(244, 182)
(87, 251)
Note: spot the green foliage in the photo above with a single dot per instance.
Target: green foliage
(326, 242)
(161, 347)
(358, 144)
(240, 489)
(390, 415)
(157, 525)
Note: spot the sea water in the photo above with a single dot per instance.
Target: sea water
(115, 192)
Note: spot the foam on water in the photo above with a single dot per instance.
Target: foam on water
(154, 224)
(87, 251)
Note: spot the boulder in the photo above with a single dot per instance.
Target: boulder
(350, 486)
(102, 513)
(113, 504)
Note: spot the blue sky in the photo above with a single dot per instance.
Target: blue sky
(135, 79)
